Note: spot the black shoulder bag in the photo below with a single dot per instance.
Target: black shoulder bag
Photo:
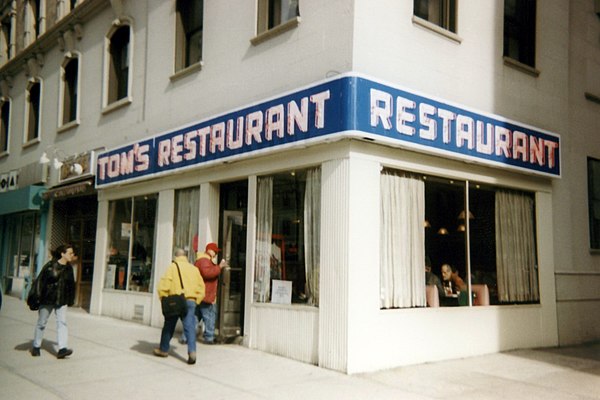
(174, 305)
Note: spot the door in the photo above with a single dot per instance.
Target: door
(233, 212)
(81, 234)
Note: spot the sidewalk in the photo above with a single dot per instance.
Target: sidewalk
(113, 359)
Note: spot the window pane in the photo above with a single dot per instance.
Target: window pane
(119, 235)
(4, 125)
(34, 109)
(445, 244)
(286, 254)
(439, 12)
(70, 91)
(594, 202)
(142, 249)
(185, 224)
(119, 65)
(519, 30)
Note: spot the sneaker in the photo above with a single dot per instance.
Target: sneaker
(192, 358)
(209, 342)
(35, 351)
(160, 353)
(64, 352)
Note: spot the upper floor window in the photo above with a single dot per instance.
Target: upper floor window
(593, 167)
(272, 13)
(519, 30)
(119, 58)
(69, 92)
(6, 38)
(64, 7)
(33, 112)
(439, 12)
(190, 16)
(34, 20)
(4, 125)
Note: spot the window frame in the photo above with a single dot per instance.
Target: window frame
(183, 37)
(64, 86)
(112, 101)
(5, 126)
(446, 18)
(520, 34)
(468, 229)
(593, 185)
(264, 30)
(128, 260)
(27, 140)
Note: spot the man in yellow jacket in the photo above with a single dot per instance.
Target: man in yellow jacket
(193, 288)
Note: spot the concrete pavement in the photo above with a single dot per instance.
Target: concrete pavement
(113, 359)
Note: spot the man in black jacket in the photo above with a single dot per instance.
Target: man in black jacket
(56, 289)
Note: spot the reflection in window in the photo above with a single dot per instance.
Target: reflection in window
(22, 241)
(189, 32)
(272, 13)
(131, 228)
(439, 12)
(481, 254)
(288, 226)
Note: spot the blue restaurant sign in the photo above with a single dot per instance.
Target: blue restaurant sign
(349, 106)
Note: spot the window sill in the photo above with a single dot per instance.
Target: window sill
(31, 143)
(68, 126)
(596, 99)
(436, 28)
(276, 31)
(4, 154)
(125, 101)
(293, 306)
(187, 71)
(511, 62)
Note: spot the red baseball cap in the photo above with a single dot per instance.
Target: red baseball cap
(213, 247)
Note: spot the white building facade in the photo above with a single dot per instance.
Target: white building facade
(332, 150)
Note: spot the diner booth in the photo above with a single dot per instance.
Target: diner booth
(329, 202)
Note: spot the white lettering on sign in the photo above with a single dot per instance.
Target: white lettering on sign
(459, 130)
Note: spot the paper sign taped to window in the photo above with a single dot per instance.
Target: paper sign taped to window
(281, 292)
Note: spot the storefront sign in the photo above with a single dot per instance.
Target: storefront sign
(9, 181)
(348, 106)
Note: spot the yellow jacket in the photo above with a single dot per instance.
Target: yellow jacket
(192, 281)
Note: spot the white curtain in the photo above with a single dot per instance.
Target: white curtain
(312, 237)
(264, 224)
(515, 248)
(402, 262)
(187, 208)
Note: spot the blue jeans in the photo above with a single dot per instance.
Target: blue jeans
(208, 313)
(189, 329)
(62, 332)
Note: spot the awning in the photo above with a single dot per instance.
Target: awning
(74, 189)
(24, 199)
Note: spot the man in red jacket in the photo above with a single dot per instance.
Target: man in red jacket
(207, 310)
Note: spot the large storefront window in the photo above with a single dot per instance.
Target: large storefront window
(288, 226)
(131, 236)
(23, 232)
(475, 242)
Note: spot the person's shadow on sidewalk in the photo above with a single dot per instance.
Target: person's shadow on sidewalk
(145, 347)
(47, 346)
